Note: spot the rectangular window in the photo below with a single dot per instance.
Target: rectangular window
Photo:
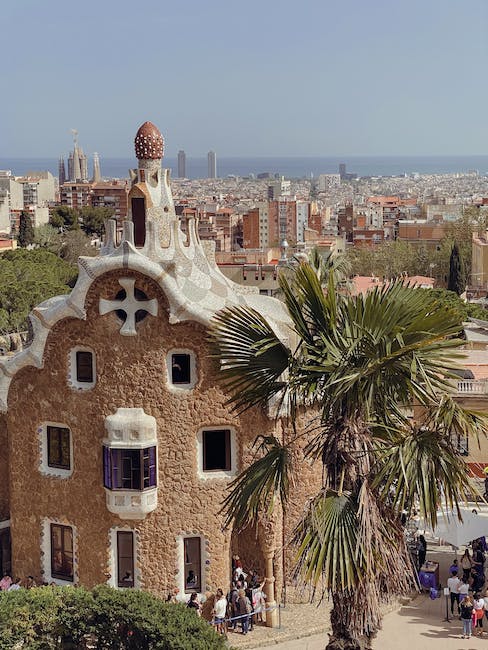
(180, 369)
(84, 366)
(193, 564)
(62, 552)
(129, 469)
(216, 450)
(125, 559)
(58, 447)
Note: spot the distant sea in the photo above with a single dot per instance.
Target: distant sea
(286, 166)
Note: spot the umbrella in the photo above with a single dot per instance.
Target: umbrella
(458, 533)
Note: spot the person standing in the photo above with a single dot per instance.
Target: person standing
(194, 604)
(463, 589)
(479, 612)
(466, 565)
(220, 608)
(466, 616)
(454, 583)
(244, 609)
(421, 550)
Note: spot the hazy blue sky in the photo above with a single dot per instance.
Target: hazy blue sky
(256, 77)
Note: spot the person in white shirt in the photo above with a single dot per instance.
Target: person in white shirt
(454, 583)
(479, 611)
(464, 590)
(220, 608)
(16, 585)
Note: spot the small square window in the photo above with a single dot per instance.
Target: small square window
(216, 450)
(58, 447)
(180, 369)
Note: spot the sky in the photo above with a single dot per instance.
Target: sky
(246, 78)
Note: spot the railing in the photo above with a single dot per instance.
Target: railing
(472, 386)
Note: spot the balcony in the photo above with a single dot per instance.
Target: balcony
(472, 387)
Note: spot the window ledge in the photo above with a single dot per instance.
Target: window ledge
(130, 504)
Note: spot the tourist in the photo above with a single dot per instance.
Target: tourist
(243, 609)
(466, 565)
(478, 562)
(30, 582)
(15, 585)
(463, 589)
(5, 582)
(479, 612)
(232, 599)
(466, 613)
(219, 611)
(421, 550)
(454, 566)
(194, 604)
(454, 583)
(258, 602)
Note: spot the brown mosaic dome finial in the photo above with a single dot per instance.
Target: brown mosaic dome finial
(149, 142)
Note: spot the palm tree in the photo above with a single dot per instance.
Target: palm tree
(356, 362)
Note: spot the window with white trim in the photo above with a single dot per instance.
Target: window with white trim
(192, 557)
(216, 452)
(125, 559)
(62, 551)
(82, 368)
(56, 449)
(181, 368)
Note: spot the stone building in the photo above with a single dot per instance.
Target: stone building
(117, 444)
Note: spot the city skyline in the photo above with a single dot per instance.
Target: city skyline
(273, 79)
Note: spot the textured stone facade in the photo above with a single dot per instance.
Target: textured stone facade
(131, 372)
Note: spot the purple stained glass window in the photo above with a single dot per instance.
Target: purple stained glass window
(129, 469)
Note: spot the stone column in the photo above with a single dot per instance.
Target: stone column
(269, 589)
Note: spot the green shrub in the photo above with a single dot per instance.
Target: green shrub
(128, 619)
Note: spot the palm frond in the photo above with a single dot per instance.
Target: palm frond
(420, 463)
(252, 357)
(258, 487)
(328, 553)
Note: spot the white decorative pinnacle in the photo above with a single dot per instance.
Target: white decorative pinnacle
(130, 305)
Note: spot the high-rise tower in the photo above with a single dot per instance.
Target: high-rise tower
(61, 171)
(181, 164)
(212, 164)
(97, 175)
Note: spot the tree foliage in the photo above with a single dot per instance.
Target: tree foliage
(64, 218)
(26, 230)
(451, 301)
(456, 276)
(123, 619)
(89, 219)
(27, 278)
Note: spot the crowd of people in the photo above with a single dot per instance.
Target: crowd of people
(466, 585)
(7, 583)
(243, 605)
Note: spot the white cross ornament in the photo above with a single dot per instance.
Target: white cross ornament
(130, 305)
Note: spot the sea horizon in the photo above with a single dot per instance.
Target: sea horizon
(288, 166)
